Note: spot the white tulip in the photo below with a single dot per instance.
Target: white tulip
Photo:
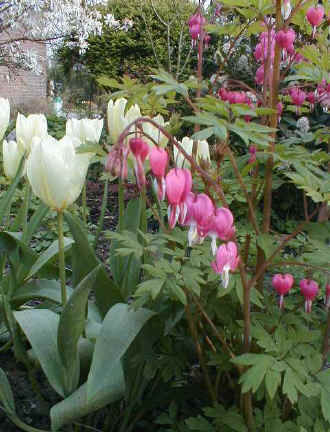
(4, 116)
(85, 129)
(118, 120)
(154, 132)
(203, 152)
(56, 172)
(34, 125)
(11, 158)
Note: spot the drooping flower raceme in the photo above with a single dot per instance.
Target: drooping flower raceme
(282, 284)
(28, 128)
(56, 172)
(85, 129)
(12, 156)
(118, 120)
(4, 116)
(226, 260)
(309, 289)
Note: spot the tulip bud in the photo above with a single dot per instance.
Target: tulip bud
(56, 173)
(118, 120)
(4, 116)
(11, 158)
(85, 129)
(27, 128)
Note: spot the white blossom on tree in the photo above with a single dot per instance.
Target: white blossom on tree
(49, 21)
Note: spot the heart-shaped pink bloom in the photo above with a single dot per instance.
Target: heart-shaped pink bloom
(226, 260)
(309, 289)
(282, 284)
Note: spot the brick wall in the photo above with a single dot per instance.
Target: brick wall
(24, 89)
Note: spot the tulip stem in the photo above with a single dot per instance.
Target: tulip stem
(61, 257)
(26, 205)
(103, 209)
(121, 204)
(84, 204)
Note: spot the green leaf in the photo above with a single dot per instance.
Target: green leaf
(151, 286)
(77, 405)
(47, 255)
(9, 195)
(6, 394)
(203, 134)
(126, 269)
(253, 377)
(199, 424)
(176, 291)
(324, 380)
(70, 328)
(40, 327)
(84, 261)
(120, 327)
(36, 220)
(266, 242)
(272, 382)
(38, 289)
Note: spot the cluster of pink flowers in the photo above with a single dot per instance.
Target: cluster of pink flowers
(195, 211)
(196, 23)
(204, 220)
(282, 284)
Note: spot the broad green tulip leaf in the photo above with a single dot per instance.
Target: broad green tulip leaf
(40, 327)
(126, 269)
(84, 261)
(35, 221)
(120, 327)
(8, 196)
(47, 255)
(39, 289)
(76, 405)
(71, 326)
(6, 394)
(21, 256)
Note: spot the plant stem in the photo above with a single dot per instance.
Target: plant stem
(325, 349)
(103, 209)
(84, 204)
(194, 334)
(121, 204)
(61, 257)
(26, 205)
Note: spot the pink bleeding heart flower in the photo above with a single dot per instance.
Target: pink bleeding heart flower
(226, 260)
(327, 296)
(309, 289)
(207, 40)
(279, 111)
(114, 162)
(178, 185)
(282, 284)
(200, 209)
(285, 38)
(253, 154)
(158, 159)
(220, 226)
(315, 16)
(140, 150)
(298, 97)
(260, 75)
(196, 23)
